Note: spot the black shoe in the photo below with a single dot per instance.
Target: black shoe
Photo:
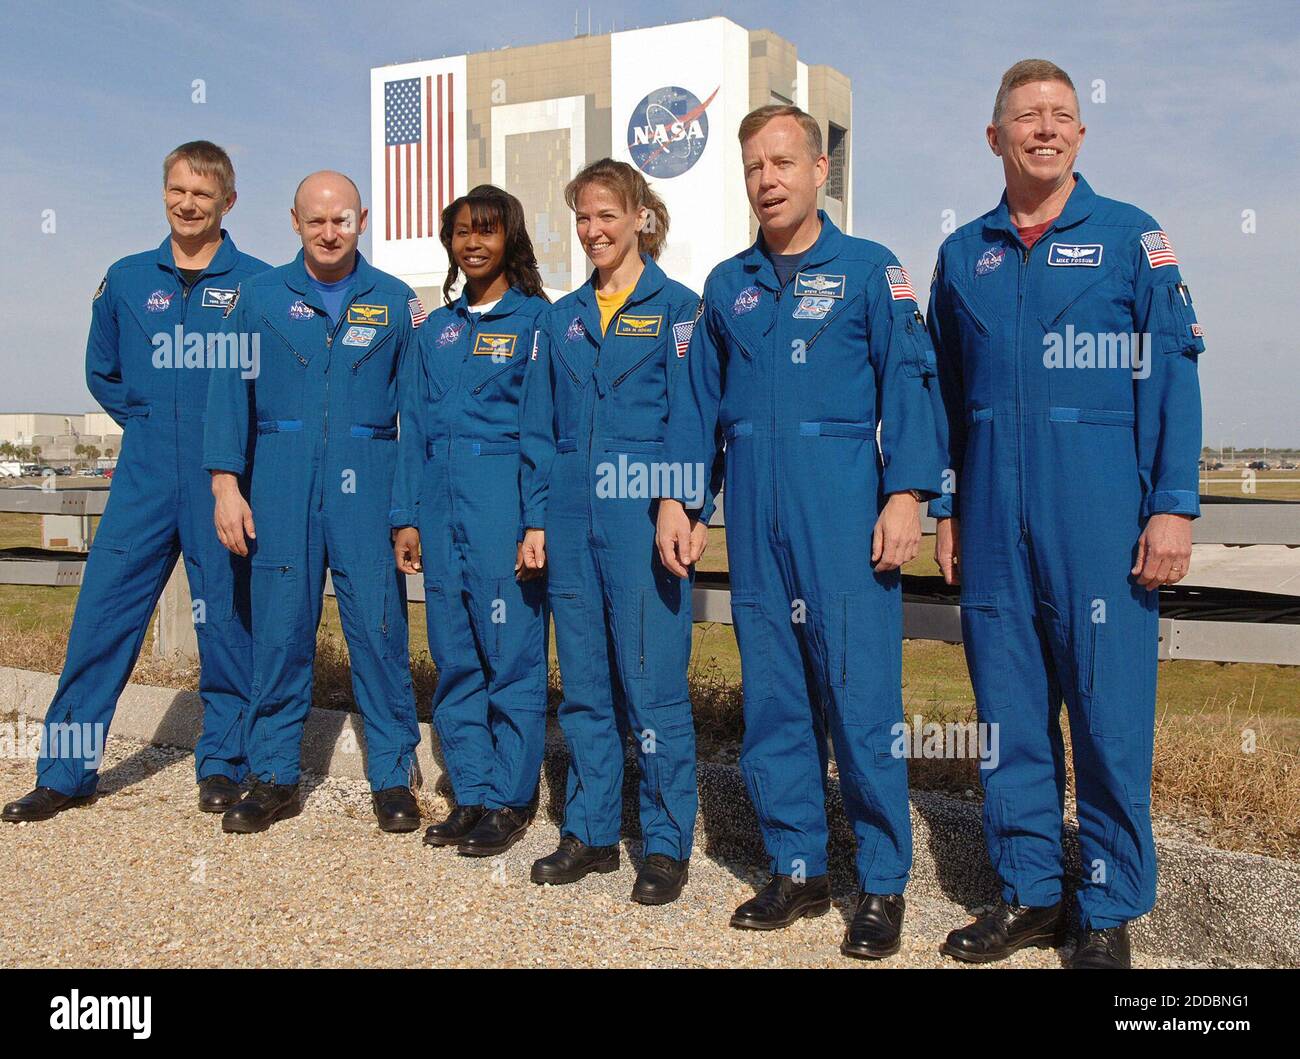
(660, 880)
(782, 901)
(41, 804)
(1103, 950)
(876, 930)
(997, 934)
(573, 861)
(452, 831)
(217, 794)
(263, 805)
(495, 833)
(396, 809)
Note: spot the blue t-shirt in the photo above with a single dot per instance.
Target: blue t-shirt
(333, 295)
(786, 265)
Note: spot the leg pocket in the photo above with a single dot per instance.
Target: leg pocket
(985, 639)
(1114, 647)
(664, 641)
(276, 588)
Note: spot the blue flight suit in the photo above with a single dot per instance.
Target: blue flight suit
(1062, 446)
(458, 482)
(317, 432)
(592, 441)
(160, 506)
(796, 379)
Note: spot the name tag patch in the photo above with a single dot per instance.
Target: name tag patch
(818, 285)
(813, 308)
(368, 314)
(359, 336)
(487, 345)
(638, 326)
(1087, 255)
(216, 298)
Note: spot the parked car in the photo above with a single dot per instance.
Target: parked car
(1258, 465)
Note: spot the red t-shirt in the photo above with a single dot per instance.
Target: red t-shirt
(1029, 236)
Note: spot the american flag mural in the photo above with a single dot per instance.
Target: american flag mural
(419, 153)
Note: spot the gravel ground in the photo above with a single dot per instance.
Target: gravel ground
(140, 878)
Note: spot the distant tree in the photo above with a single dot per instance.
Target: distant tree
(109, 452)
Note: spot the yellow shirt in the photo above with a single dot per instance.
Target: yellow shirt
(610, 304)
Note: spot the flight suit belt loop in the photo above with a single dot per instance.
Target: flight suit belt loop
(278, 426)
(469, 447)
(1106, 417)
(378, 433)
(808, 429)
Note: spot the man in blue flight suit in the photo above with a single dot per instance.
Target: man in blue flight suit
(806, 342)
(316, 431)
(150, 356)
(1067, 349)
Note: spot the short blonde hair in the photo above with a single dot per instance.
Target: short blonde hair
(1026, 72)
(756, 119)
(205, 159)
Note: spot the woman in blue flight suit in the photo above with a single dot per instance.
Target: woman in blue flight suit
(591, 440)
(456, 513)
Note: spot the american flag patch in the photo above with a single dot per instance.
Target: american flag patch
(1159, 250)
(900, 283)
(418, 315)
(682, 336)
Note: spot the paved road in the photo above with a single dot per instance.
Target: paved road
(140, 878)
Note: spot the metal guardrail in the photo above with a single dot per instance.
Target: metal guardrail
(1246, 633)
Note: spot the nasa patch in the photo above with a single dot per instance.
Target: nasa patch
(575, 331)
(813, 308)
(1087, 255)
(450, 333)
(746, 301)
(668, 130)
(159, 301)
(300, 310)
(818, 286)
(217, 298)
(988, 262)
(359, 336)
(487, 345)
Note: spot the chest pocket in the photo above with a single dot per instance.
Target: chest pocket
(506, 357)
(374, 342)
(839, 313)
(1089, 298)
(640, 338)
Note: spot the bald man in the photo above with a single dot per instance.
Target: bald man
(314, 432)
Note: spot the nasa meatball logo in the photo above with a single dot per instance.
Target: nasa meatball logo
(668, 131)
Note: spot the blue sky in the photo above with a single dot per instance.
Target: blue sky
(1198, 125)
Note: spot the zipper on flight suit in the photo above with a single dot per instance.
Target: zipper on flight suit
(1020, 324)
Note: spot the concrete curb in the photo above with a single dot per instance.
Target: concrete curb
(1213, 906)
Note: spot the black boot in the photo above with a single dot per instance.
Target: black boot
(396, 809)
(782, 901)
(495, 833)
(41, 804)
(574, 861)
(458, 824)
(876, 930)
(660, 880)
(263, 805)
(997, 934)
(217, 794)
(1106, 949)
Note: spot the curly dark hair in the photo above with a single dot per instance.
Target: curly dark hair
(490, 206)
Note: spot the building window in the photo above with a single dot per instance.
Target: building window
(837, 150)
